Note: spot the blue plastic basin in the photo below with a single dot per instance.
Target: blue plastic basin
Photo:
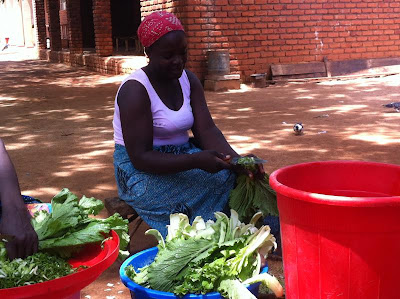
(145, 257)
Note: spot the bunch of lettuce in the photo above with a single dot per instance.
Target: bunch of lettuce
(252, 194)
(62, 234)
(221, 256)
(68, 227)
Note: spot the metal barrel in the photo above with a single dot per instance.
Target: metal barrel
(218, 62)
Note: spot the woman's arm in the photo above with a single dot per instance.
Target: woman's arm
(15, 217)
(206, 132)
(204, 129)
(137, 130)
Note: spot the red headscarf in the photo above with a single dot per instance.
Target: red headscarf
(157, 24)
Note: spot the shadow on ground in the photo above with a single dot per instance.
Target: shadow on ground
(342, 120)
(56, 122)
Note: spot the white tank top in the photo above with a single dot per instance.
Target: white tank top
(170, 127)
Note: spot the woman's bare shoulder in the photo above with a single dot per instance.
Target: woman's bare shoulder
(132, 93)
(195, 83)
(191, 75)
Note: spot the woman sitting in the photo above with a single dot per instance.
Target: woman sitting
(158, 169)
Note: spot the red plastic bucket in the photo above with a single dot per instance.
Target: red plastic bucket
(340, 226)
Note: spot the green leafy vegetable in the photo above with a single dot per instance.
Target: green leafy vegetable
(61, 233)
(68, 227)
(36, 268)
(252, 195)
(181, 252)
(206, 256)
(3, 252)
(234, 289)
(90, 205)
(268, 280)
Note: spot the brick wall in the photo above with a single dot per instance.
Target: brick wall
(63, 17)
(39, 23)
(53, 8)
(74, 26)
(259, 33)
(307, 30)
(64, 28)
(105, 65)
(102, 27)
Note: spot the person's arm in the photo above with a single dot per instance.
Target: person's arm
(137, 130)
(204, 129)
(15, 218)
(206, 132)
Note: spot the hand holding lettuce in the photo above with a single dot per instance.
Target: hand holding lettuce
(209, 256)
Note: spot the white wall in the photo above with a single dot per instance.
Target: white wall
(16, 22)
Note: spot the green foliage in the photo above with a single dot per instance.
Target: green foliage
(199, 258)
(61, 233)
(251, 194)
(68, 227)
(36, 268)
(170, 263)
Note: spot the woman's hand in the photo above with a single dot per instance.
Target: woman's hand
(212, 161)
(256, 172)
(259, 172)
(17, 223)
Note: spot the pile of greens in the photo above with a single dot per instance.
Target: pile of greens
(36, 268)
(252, 194)
(204, 257)
(68, 227)
(62, 234)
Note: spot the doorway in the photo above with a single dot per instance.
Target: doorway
(88, 41)
(126, 18)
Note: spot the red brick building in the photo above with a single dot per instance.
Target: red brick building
(257, 33)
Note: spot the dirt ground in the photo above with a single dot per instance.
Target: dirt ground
(56, 122)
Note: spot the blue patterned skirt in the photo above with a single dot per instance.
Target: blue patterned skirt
(155, 196)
